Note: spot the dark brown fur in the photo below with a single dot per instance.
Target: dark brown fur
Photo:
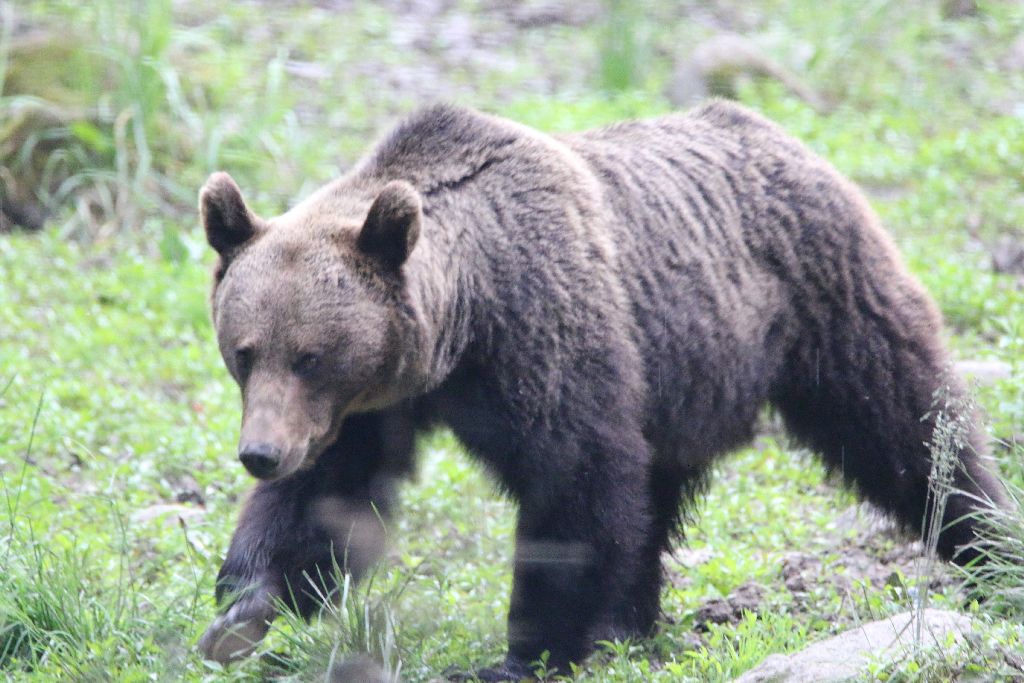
(597, 317)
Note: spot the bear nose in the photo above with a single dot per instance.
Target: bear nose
(261, 459)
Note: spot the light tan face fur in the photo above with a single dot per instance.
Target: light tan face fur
(303, 325)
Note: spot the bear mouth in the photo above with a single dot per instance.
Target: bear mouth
(303, 459)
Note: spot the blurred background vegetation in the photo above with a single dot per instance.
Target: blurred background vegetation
(117, 421)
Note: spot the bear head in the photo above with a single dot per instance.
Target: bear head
(309, 313)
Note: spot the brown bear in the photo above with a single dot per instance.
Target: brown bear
(596, 316)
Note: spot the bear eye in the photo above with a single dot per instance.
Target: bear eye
(306, 364)
(243, 360)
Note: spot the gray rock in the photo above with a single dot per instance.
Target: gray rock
(846, 655)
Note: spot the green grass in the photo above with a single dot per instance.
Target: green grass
(113, 395)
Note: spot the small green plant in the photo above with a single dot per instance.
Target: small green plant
(953, 416)
(354, 631)
(732, 650)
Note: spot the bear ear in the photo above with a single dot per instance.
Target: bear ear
(393, 224)
(228, 222)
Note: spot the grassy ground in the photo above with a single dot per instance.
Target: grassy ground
(118, 422)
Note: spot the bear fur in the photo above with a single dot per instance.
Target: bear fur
(597, 317)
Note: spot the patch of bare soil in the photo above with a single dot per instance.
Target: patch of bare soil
(869, 553)
(871, 549)
(729, 610)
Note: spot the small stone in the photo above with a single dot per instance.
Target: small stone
(188, 490)
(1008, 256)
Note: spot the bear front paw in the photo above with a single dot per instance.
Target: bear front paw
(235, 634)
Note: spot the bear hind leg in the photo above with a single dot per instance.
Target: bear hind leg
(869, 407)
(671, 490)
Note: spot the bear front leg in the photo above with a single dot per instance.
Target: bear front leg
(291, 539)
(251, 580)
(580, 544)
(294, 534)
